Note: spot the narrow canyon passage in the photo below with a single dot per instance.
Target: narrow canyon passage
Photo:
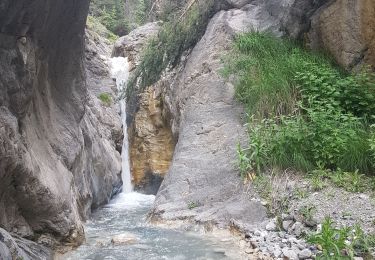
(187, 129)
(120, 230)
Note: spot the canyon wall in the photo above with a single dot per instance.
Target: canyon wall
(57, 154)
(202, 114)
(60, 143)
(202, 183)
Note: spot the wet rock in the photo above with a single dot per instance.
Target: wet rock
(124, 239)
(151, 143)
(19, 248)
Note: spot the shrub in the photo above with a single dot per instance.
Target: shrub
(306, 113)
(318, 139)
(352, 93)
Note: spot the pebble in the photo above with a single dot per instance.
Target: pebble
(249, 251)
(289, 254)
(277, 253)
(254, 244)
(271, 226)
(287, 224)
(297, 228)
(311, 222)
(305, 254)
(124, 239)
(243, 243)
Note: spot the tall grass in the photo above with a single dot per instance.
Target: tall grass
(267, 67)
(306, 113)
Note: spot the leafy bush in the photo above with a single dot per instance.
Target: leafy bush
(318, 139)
(327, 86)
(307, 114)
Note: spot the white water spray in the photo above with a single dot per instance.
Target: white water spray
(120, 71)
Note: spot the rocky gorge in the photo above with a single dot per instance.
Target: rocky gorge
(61, 143)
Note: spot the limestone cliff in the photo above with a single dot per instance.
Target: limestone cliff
(152, 143)
(202, 183)
(57, 152)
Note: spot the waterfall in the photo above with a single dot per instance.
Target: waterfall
(120, 71)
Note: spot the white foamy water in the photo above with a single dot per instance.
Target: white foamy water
(120, 71)
(131, 200)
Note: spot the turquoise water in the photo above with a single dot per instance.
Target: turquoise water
(126, 215)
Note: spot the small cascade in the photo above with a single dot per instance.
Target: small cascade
(120, 71)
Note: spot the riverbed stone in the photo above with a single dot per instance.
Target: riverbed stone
(287, 224)
(271, 226)
(124, 239)
(305, 254)
(289, 254)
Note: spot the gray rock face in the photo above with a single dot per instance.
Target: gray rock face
(18, 248)
(206, 118)
(57, 150)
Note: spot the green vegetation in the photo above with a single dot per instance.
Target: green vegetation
(192, 205)
(111, 13)
(349, 181)
(118, 17)
(94, 25)
(178, 34)
(307, 212)
(274, 193)
(105, 98)
(305, 113)
(341, 243)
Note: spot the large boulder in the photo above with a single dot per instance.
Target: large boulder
(346, 29)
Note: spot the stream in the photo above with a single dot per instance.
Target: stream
(125, 218)
(120, 230)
